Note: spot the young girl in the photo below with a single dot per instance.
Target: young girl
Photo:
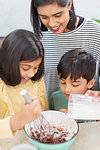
(21, 66)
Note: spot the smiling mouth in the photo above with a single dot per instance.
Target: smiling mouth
(25, 79)
(55, 29)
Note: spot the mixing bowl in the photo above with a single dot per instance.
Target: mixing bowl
(58, 119)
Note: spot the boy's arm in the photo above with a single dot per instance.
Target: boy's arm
(64, 110)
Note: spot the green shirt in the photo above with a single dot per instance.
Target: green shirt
(58, 101)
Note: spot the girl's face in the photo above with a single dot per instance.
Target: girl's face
(29, 69)
(78, 86)
(54, 17)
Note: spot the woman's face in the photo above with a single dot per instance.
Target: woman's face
(54, 17)
(28, 69)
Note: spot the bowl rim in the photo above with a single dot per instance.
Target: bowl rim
(55, 143)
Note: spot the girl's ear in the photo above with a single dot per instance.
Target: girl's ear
(91, 83)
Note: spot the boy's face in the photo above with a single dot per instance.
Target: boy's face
(78, 86)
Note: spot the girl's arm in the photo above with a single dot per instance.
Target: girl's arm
(28, 113)
(43, 97)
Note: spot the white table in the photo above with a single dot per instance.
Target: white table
(88, 138)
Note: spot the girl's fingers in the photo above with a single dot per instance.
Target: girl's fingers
(34, 98)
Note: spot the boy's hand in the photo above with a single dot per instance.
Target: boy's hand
(64, 110)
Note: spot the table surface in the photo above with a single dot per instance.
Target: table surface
(88, 138)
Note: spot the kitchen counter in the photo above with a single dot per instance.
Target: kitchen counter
(88, 138)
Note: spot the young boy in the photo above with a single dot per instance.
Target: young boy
(76, 71)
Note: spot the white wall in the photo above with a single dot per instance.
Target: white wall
(15, 14)
(88, 8)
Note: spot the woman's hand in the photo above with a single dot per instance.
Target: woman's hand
(28, 113)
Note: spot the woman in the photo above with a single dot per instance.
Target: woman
(21, 66)
(61, 30)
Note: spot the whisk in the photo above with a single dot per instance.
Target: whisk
(41, 124)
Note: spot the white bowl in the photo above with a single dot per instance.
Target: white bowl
(58, 119)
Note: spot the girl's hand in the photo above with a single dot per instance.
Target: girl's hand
(28, 113)
(31, 111)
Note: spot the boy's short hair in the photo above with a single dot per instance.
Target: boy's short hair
(77, 63)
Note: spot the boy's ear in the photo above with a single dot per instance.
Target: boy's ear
(91, 83)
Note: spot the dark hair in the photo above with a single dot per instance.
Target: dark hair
(18, 46)
(77, 63)
(35, 21)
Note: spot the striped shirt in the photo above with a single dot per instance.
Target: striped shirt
(86, 36)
